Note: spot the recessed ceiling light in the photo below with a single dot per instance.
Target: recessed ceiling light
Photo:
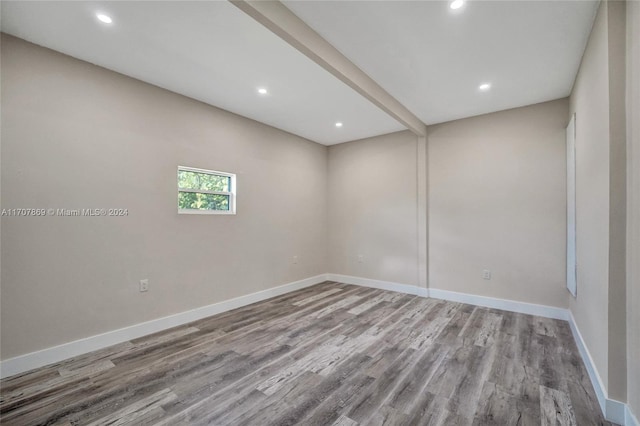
(338, 124)
(104, 18)
(456, 4)
(484, 87)
(262, 91)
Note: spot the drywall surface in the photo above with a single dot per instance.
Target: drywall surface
(590, 103)
(76, 136)
(633, 207)
(372, 194)
(616, 25)
(497, 201)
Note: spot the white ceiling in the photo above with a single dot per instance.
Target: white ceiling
(210, 51)
(432, 58)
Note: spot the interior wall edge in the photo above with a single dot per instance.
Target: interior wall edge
(633, 210)
(616, 26)
(589, 100)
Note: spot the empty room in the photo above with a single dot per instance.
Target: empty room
(320, 212)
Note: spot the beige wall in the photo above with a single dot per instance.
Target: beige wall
(633, 206)
(598, 99)
(372, 199)
(590, 102)
(617, 387)
(78, 136)
(497, 198)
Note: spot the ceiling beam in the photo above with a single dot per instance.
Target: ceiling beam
(281, 21)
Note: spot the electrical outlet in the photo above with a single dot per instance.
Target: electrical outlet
(295, 260)
(144, 285)
(486, 274)
(361, 258)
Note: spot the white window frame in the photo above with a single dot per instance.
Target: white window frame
(231, 193)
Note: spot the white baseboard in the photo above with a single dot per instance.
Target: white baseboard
(629, 418)
(59, 353)
(382, 285)
(596, 381)
(614, 411)
(503, 304)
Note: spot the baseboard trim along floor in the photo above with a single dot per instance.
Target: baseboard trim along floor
(381, 285)
(503, 304)
(629, 418)
(32, 360)
(614, 411)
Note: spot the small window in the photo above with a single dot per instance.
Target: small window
(206, 191)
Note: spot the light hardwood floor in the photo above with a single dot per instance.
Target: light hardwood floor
(331, 354)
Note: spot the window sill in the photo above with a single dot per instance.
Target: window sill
(206, 212)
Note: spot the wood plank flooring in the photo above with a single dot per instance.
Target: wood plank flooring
(331, 354)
